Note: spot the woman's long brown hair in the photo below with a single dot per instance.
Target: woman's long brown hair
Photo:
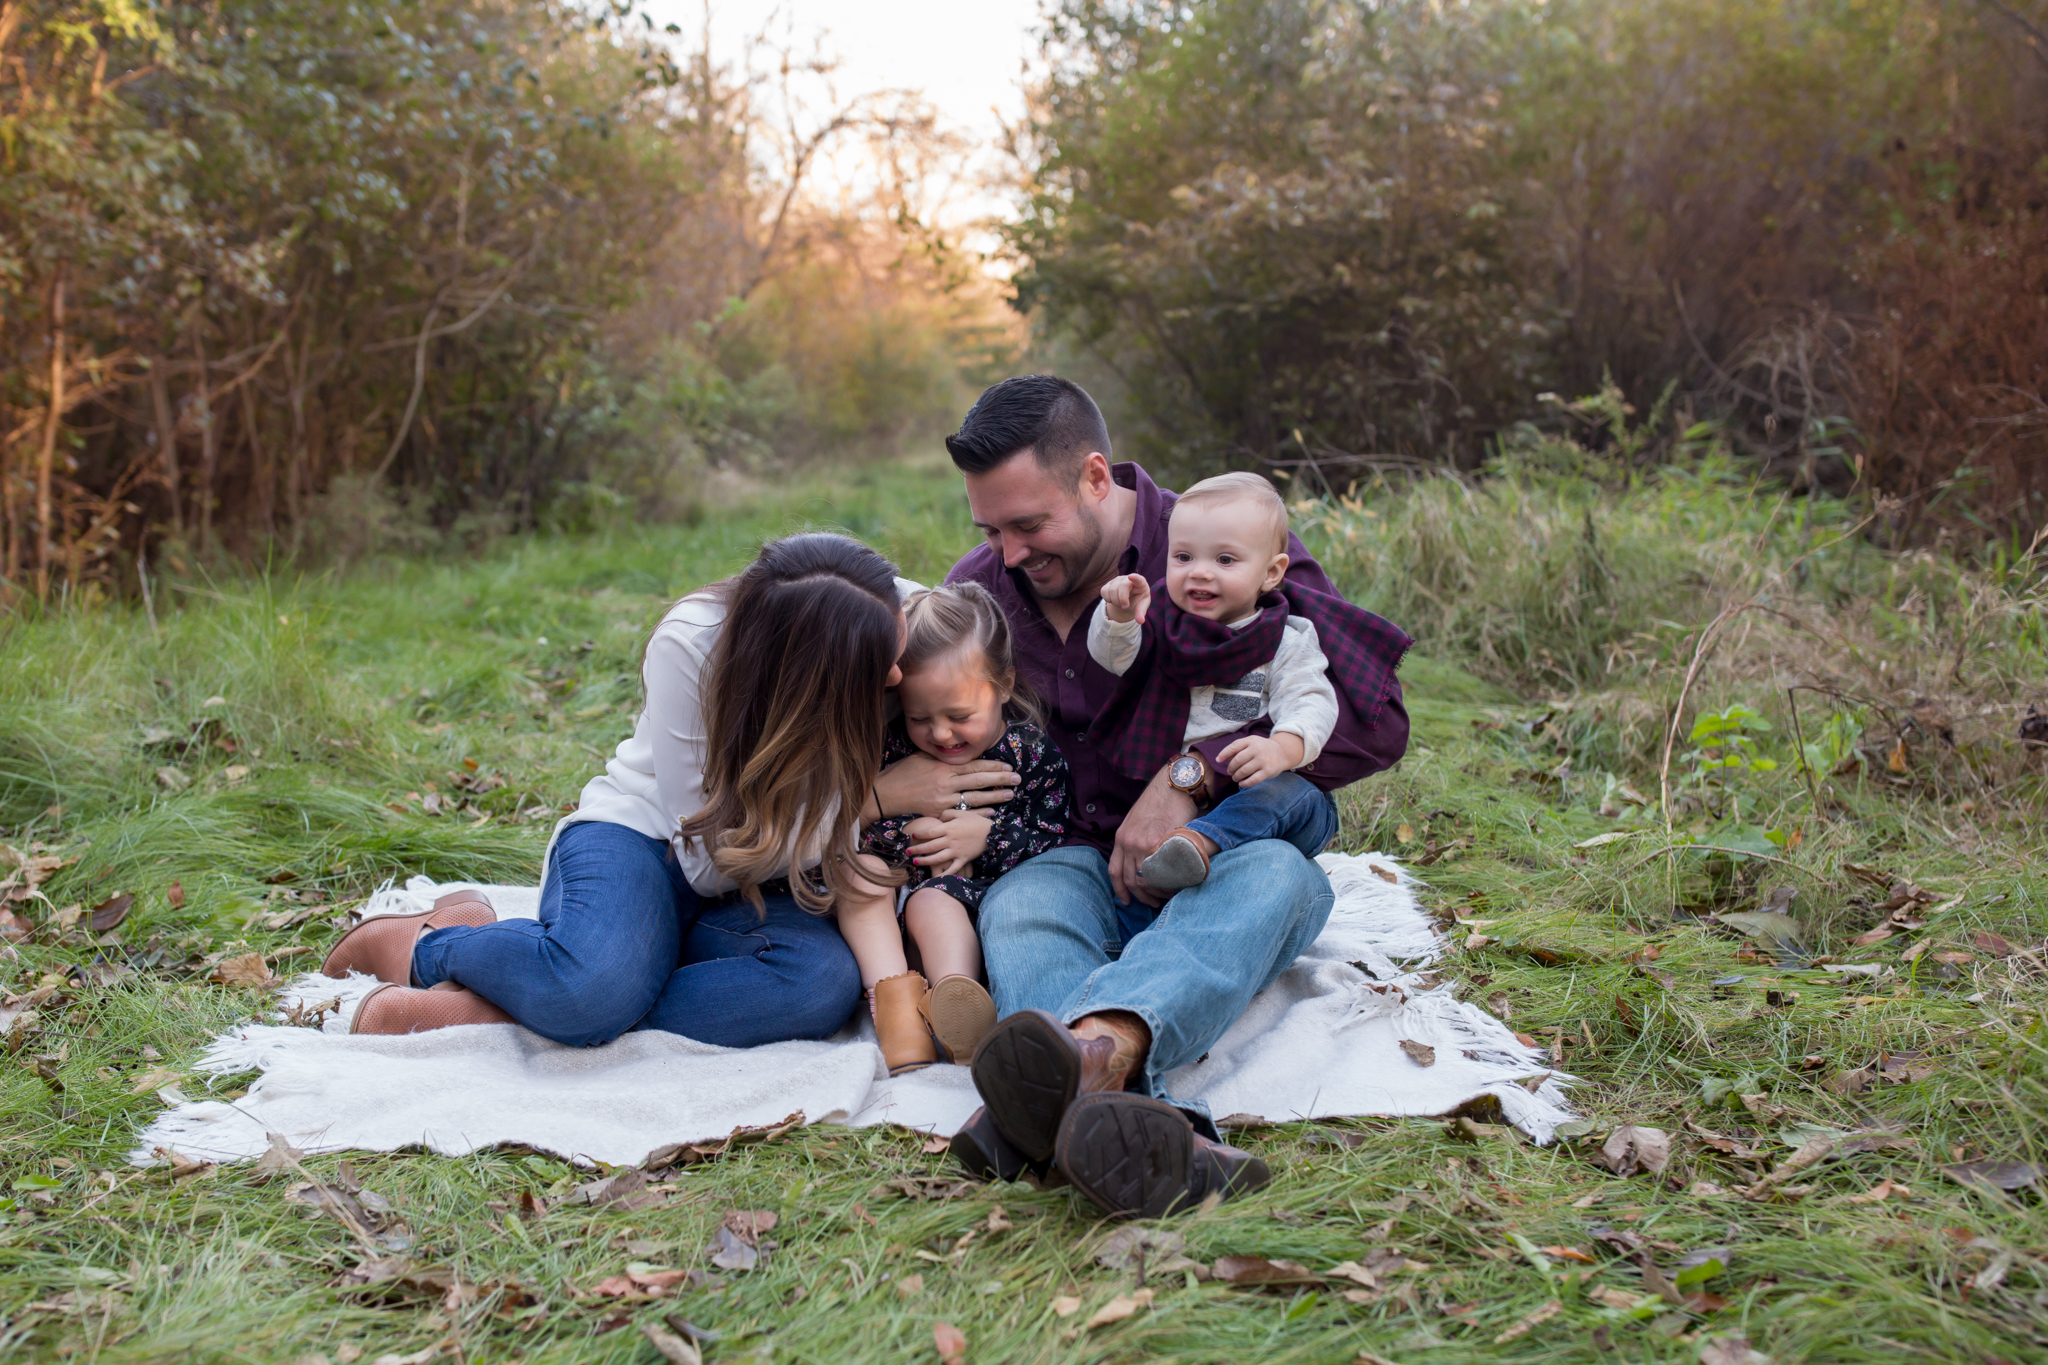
(794, 710)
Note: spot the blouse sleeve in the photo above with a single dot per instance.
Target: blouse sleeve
(674, 676)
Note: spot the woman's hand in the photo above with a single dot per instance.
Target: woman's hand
(950, 842)
(921, 785)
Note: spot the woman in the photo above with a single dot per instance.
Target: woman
(757, 749)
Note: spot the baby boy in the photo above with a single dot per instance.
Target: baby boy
(1229, 647)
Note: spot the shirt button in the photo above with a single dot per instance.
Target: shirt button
(1070, 672)
(1091, 808)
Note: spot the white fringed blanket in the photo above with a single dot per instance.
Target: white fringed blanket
(1323, 1041)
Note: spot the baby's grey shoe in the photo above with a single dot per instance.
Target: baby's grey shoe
(1177, 864)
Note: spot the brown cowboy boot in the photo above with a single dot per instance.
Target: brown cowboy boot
(1030, 1067)
(1137, 1157)
(899, 1004)
(1178, 863)
(406, 1009)
(382, 945)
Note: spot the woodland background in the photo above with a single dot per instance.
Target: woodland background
(292, 278)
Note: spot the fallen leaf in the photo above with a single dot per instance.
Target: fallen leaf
(1530, 1323)
(1065, 1306)
(730, 1251)
(950, 1342)
(1383, 874)
(1995, 1175)
(997, 1220)
(1498, 1004)
(928, 1187)
(1422, 1054)
(1259, 1270)
(671, 1347)
(1729, 1351)
(689, 1153)
(750, 1225)
(1119, 1308)
(247, 970)
(1405, 833)
(1810, 1151)
(910, 1285)
(173, 779)
(1609, 1296)
(1631, 1148)
(1567, 1254)
(109, 913)
(279, 1158)
(1611, 837)
(628, 1190)
(935, 1146)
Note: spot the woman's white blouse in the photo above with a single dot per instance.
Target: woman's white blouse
(655, 779)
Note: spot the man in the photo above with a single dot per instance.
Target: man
(1103, 987)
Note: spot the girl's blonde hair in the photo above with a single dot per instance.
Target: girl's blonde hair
(794, 708)
(964, 619)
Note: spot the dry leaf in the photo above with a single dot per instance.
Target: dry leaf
(1995, 1175)
(671, 1347)
(1567, 1254)
(950, 1342)
(1119, 1308)
(247, 970)
(1631, 1148)
(279, 1158)
(1405, 833)
(1498, 1003)
(1810, 1151)
(750, 1225)
(109, 913)
(730, 1251)
(1730, 1351)
(1530, 1323)
(1422, 1054)
(1259, 1270)
(173, 779)
(910, 1285)
(175, 896)
(1383, 874)
(1065, 1306)
(935, 1146)
(997, 1220)
(1609, 1296)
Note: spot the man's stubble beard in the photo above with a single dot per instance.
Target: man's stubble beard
(1088, 579)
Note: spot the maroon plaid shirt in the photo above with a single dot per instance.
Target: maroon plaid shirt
(1076, 689)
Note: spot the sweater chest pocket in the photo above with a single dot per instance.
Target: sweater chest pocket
(1243, 700)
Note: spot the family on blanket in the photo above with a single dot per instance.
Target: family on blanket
(1092, 771)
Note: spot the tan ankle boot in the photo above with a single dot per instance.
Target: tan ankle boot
(959, 1012)
(407, 1009)
(900, 1004)
(382, 945)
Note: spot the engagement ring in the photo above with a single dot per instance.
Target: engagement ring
(963, 803)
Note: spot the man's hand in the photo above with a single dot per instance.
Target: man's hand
(950, 843)
(1125, 599)
(921, 785)
(1253, 759)
(1158, 809)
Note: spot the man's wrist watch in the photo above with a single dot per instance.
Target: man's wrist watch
(1189, 775)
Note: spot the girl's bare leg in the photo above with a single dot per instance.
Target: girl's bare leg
(944, 936)
(867, 921)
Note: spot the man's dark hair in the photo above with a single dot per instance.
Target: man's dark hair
(1052, 417)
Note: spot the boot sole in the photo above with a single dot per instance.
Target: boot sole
(1175, 865)
(1028, 1069)
(962, 1014)
(1130, 1154)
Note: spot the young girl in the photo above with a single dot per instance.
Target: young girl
(962, 700)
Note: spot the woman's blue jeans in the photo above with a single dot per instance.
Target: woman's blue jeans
(624, 943)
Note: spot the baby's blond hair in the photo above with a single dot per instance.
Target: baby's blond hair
(1241, 485)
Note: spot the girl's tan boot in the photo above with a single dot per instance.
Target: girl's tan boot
(899, 1004)
(959, 1012)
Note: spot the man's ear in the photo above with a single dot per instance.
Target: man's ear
(1275, 571)
(1095, 482)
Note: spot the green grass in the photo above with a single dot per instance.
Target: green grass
(341, 697)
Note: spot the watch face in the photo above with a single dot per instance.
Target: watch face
(1185, 773)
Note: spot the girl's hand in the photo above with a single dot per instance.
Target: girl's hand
(1126, 598)
(921, 785)
(961, 838)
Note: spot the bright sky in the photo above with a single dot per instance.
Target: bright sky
(966, 56)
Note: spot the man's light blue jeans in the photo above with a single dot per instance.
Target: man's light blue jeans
(1056, 939)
